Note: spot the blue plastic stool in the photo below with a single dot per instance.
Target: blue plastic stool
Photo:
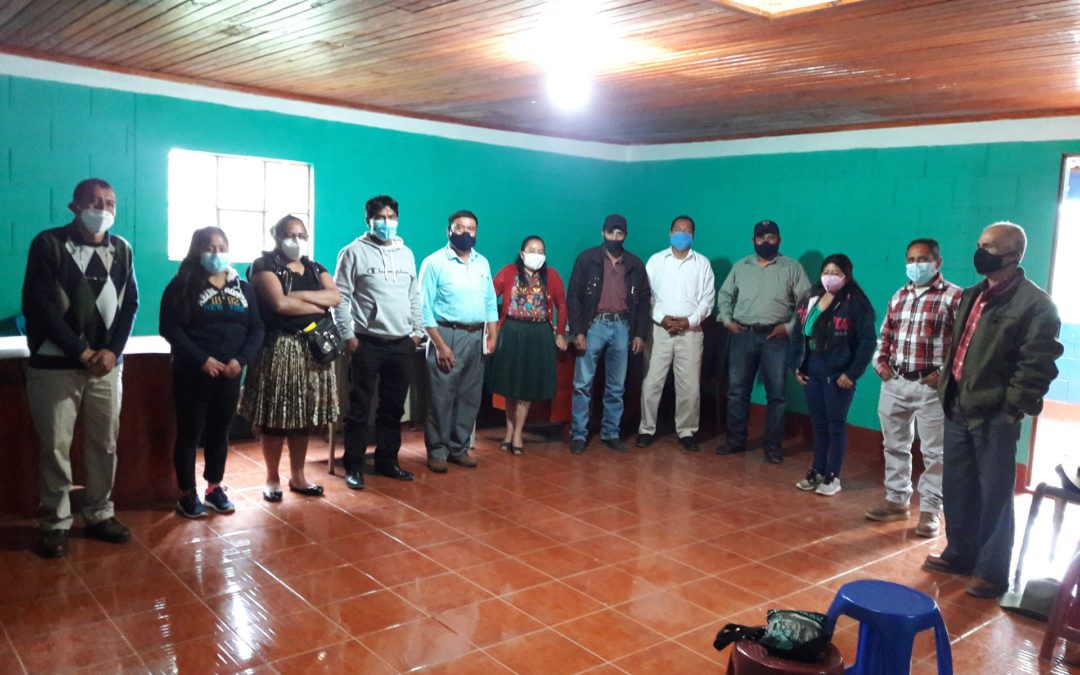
(890, 616)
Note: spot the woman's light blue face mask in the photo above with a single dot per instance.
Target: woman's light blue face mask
(215, 262)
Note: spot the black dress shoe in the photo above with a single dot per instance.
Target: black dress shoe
(577, 446)
(354, 480)
(774, 456)
(614, 444)
(394, 471)
(308, 490)
(689, 444)
(109, 530)
(729, 450)
(644, 440)
(54, 544)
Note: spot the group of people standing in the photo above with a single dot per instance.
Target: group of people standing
(961, 366)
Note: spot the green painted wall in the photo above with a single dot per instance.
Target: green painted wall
(53, 135)
(866, 203)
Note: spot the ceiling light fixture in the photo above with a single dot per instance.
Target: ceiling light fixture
(774, 9)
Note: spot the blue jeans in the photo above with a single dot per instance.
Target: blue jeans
(747, 352)
(612, 338)
(828, 405)
(977, 491)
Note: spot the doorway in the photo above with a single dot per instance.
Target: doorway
(1058, 428)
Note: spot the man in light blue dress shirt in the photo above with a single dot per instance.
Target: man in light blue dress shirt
(458, 311)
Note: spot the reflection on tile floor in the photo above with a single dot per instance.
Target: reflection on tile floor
(545, 563)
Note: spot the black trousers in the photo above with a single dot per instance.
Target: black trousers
(391, 361)
(202, 402)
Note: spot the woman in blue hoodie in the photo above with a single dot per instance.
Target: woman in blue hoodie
(830, 349)
(211, 319)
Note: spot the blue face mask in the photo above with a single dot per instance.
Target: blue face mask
(214, 263)
(921, 272)
(384, 229)
(681, 241)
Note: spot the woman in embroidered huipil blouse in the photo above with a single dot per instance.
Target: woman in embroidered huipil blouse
(522, 369)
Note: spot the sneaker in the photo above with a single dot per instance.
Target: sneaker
(614, 444)
(929, 525)
(577, 446)
(829, 486)
(810, 482)
(110, 530)
(217, 501)
(436, 465)
(189, 506)
(887, 512)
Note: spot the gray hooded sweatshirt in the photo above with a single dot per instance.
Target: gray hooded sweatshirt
(379, 291)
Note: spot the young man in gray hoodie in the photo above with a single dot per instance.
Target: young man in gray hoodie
(379, 316)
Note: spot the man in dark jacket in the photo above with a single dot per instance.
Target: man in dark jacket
(998, 369)
(79, 298)
(608, 302)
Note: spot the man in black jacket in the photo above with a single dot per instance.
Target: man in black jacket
(998, 369)
(608, 303)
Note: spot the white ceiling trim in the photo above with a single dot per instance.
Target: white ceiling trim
(999, 131)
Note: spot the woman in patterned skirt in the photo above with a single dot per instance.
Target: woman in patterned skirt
(287, 393)
(522, 369)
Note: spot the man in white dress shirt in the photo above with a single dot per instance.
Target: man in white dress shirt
(683, 291)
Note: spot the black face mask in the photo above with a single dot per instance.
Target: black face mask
(988, 263)
(462, 242)
(766, 251)
(613, 246)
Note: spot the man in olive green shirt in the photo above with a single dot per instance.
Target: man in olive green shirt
(756, 304)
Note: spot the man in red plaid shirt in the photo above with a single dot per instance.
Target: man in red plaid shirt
(915, 337)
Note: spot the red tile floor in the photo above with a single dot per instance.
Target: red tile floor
(545, 563)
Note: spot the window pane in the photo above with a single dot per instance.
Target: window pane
(244, 230)
(184, 218)
(287, 187)
(192, 177)
(240, 183)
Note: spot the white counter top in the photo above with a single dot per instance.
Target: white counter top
(15, 347)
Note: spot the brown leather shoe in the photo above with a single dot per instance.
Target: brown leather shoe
(935, 563)
(887, 512)
(929, 525)
(436, 465)
(981, 588)
(462, 459)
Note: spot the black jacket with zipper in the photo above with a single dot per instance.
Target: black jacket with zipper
(587, 281)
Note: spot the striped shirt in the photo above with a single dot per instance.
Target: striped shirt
(917, 330)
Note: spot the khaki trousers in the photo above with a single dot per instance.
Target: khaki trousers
(56, 399)
(683, 353)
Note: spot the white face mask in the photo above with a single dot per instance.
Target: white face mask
(293, 248)
(533, 261)
(96, 221)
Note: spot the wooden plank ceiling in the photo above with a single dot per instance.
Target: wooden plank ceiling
(670, 70)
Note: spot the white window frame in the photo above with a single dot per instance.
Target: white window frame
(179, 234)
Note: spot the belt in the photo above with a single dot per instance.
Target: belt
(467, 327)
(379, 340)
(612, 316)
(759, 327)
(525, 319)
(916, 374)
